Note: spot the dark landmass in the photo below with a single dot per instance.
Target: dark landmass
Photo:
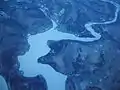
(95, 64)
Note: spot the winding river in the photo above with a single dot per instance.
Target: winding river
(89, 25)
(38, 43)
